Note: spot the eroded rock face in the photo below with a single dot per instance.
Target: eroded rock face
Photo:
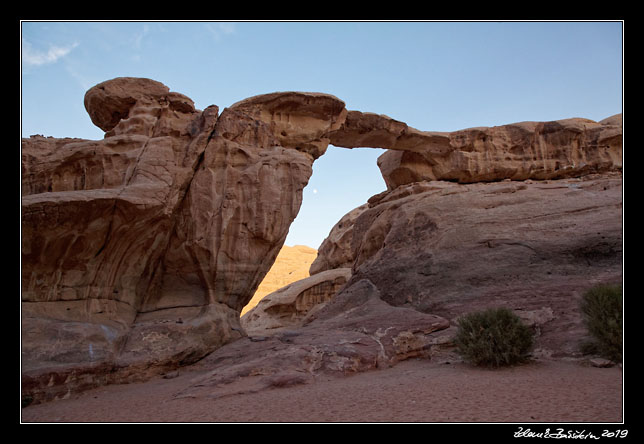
(96, 221)
(427, 253)
(519, 151)
(131, 99)
(532, 246)
(355, 331)
(140, 250)
(336, 250)
(245, 194)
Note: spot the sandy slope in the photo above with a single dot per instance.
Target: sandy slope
(412, 391)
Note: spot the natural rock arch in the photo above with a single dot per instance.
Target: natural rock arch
(140, 250)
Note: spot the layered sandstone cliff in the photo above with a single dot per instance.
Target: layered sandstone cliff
(97, 219)
(448, 249)
(442, 249)
(141, 249)
(518, 151)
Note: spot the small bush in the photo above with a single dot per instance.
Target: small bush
(493, 338)
(601, 307)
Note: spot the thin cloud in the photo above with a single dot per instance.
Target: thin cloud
(138, 37)
(33, 57)
(82, 80)
(218, 30)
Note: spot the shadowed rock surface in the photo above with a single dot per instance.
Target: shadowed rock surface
(448, 249)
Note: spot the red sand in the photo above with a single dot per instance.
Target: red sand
(412, 391)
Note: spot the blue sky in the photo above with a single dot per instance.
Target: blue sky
(435, 76)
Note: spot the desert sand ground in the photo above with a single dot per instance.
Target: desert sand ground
(546, 391)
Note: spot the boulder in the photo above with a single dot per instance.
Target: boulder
(601, 363)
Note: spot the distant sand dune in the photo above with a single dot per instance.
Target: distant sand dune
(292, 264)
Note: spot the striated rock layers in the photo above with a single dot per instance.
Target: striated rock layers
(426, 252)
(419, 257)
(448, 249)
(140, 250)
(97, 221)
(518, 151)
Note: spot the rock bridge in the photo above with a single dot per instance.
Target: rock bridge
(141, 249)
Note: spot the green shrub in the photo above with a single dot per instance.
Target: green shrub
(493, 338)
(601, 307)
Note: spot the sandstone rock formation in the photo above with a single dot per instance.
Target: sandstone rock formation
(244, 195)
(289, 306)
(336, 250)
(97, 217)
(519, 151)
(532, 246)
(291, 265)
(140, 250)
(355, 331)
(425, 254)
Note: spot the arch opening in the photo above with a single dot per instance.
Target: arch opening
(342, 179)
